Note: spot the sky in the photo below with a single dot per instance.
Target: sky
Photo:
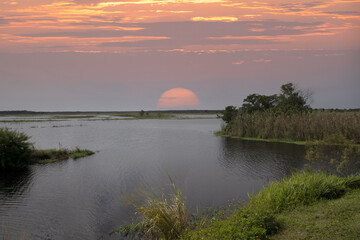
(98, 55)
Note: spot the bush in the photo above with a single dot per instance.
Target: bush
(164, 217)
(15, 150)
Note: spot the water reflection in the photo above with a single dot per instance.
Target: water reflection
(260, 160)
(14, 182)
(83, 199)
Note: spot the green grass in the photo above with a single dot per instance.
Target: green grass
(307, 203)
(80, 153)
(220, 134)
(328, 220)
(30, 120)
(54, 155)
(163, 217)
(261, 218)
(74, 116)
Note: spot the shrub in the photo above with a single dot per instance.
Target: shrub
(15, 150)
(163, 217)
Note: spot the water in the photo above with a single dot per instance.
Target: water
(84, 198)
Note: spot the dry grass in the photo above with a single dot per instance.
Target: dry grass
(299, 126)
(164, 217)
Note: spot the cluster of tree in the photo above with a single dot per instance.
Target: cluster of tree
(290, 100)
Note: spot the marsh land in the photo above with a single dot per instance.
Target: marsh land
(84, 199)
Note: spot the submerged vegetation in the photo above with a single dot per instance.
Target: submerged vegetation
(260, 218)
(55, 155)
(17, 151)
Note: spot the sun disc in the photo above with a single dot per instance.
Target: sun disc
(178, 97)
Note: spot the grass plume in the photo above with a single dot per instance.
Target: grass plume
(164, 217)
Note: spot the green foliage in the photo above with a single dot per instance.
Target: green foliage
(54, 155)
(298, 126)
(163, 217)
(245, 223)
(79, 153)
(290, 100)
(336, 150)
(15, 150)
(49, 155)
(229, 114)
(142, 113)
(256, 102)
(302, 189)
(258, 219)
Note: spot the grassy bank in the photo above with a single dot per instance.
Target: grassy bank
(330, 220)
(54, 155)
(220, 134)
(274, 213)
(262, 217)
(305, 126)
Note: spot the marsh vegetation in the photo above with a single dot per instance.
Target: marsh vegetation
(260, 218)
(17, 151)
(130, 156)
(330, 136)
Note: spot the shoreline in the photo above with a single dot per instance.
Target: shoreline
(272, 140)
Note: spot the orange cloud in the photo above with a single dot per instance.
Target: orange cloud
(220, 19)
(238, 63)
(261, 60)
(34, 18)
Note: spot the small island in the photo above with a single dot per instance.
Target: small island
(17, 151)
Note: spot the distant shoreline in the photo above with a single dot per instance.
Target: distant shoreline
(25, 112)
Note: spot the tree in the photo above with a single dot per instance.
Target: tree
(255, 102)
(228, 114)
(292, 100)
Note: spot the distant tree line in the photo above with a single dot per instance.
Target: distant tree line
(289, 100)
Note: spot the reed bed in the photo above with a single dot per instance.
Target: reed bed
(313, 125)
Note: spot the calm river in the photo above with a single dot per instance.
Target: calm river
(84, 198)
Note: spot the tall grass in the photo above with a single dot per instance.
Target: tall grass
(298, 126)
(164, 217)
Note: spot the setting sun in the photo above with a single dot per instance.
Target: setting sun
(178, 97)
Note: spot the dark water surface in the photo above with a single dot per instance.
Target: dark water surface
(83, 199)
